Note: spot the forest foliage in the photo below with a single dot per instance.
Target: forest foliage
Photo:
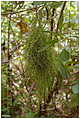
(39, 59)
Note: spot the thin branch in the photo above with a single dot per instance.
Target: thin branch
(61, 13)
(9, 49)
(53, 12)
(29, 9)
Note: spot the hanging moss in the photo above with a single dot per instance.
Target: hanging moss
(39, 64)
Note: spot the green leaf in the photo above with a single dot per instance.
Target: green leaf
(30, 114)
(74, 100)
(48, 44)
(64, 55)
(75, 88)
(60, 68)
(55, 4)
(61, 23)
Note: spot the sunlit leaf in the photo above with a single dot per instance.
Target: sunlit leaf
(64, 55)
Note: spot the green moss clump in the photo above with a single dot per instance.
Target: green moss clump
(39, 63)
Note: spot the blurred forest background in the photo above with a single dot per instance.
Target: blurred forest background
(40, 59)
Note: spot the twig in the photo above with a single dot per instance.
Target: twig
(29, 9)
(53, 12)
(61, 13)
(9, 49)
